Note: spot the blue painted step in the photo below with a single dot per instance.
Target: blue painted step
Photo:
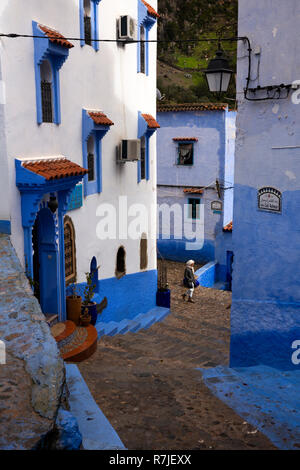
(141, 321)
(267, 398)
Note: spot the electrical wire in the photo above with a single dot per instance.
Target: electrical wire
(120, 41)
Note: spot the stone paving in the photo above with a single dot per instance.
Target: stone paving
(147, 386)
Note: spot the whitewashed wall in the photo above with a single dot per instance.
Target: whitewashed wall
(106, 80)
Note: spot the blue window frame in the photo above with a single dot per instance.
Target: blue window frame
(92, 135)
(144, 133)
(48, 59)
(145, 23)
(89, 24)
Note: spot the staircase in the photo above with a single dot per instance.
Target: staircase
(142, 321)
(75, 343)
(267, 398)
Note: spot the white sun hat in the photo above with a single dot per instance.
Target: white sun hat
(190, 262)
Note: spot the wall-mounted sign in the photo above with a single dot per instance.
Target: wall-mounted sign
(216, 206)
(269, 199)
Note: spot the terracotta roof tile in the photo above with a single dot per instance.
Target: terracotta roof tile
(181, 139)
(191, 107)
(228, 227)
(193, 190)
(56, 37)
(54, 168)
(152, 123)
(100, 118)
(151, 10)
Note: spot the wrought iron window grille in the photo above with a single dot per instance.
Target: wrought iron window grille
(47, 108)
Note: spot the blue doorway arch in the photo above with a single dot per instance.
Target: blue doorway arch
(45, 259)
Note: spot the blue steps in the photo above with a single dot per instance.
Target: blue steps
(267, 398)
(141, 321)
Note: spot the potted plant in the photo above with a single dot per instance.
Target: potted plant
(74, 303)
(85, 318)
(88, 294)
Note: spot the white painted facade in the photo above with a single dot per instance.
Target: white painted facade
(105, 80)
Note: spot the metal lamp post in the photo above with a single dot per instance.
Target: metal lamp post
(218, 73)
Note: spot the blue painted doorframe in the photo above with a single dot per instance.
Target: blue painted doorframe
(33, 188)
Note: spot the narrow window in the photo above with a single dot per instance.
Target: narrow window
(121, 263)
(185, 154)
(143, 252)
(91, 158)
(143, 158)
(142, 50)
(46, 92)
(87, 22)
(194, 209)
(70, 255)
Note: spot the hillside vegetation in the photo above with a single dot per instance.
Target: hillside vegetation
(180, 65)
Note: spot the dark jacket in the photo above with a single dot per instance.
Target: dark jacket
(189, 277)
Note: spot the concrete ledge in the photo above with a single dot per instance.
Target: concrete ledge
(207, 274)
(97, 432)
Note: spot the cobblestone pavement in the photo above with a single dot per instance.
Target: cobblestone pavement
(147, 386)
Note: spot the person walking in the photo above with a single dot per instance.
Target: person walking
(189, 281)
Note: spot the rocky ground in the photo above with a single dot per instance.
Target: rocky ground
(32, 378)
(147, 385)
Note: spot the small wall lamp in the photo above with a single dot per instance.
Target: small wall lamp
(218, 74)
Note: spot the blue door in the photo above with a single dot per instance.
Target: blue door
(45, 260)
(229, 270)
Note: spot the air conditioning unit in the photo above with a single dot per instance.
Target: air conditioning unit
(127, 28)
(129, 151)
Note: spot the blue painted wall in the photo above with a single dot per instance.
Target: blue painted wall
(127, 297)
(265, 315)
(214, 141)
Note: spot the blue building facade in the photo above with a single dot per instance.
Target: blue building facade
(195, 154)
(265, 314)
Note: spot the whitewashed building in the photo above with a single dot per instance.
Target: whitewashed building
(67, 102)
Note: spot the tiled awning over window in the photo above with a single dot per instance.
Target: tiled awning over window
(100, 118)
(151, 122)
(151, 10)
(191, 107)
(55, 37)
(54, 168)
(193, 190)
(184, 139)
(228, 227)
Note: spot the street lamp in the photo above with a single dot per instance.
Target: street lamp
(218, 73)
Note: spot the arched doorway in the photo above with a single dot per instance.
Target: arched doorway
(45, 262)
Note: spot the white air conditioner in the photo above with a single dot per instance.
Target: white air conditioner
(129, 151)
(127, 28)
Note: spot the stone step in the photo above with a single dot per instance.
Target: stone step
(134, 326)
(63, 332)
(51, 319)
(141, 321)
(82, 348)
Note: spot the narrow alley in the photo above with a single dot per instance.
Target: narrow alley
(147, 386)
